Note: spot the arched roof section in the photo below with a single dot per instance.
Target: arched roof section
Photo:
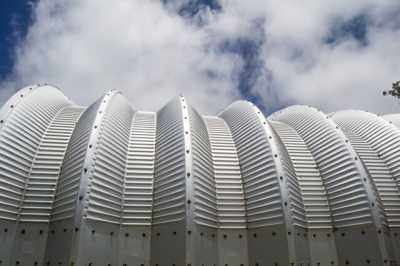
(345, 178)
(312, 189)
(377, 142)
(24, 120)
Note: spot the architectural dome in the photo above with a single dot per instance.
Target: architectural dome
(111, 185)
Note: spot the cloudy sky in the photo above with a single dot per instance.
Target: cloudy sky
(332, 54)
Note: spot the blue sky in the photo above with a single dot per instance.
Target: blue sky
(332, 55)
(15, 17)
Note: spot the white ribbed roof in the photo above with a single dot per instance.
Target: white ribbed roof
(295, 172)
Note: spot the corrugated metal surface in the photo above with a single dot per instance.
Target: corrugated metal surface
(346, 193)
(43, 176)
(139, 174)
(383, 137)
(263, 198)
(169, 180)
(295, 199)
(312, 188)
(66, 197)
(377, 143)
(203, 172)
(235, 184)
(228, 179)
(107, 180)
(20, 137)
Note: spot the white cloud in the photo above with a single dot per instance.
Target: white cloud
(88, 47)
(331, 77)
(151, 54)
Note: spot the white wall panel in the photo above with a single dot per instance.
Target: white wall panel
(109, 185)
(139, 173)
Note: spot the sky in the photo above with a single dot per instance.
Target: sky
(333, 54)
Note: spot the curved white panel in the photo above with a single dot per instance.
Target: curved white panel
(309, 178)
(352, 197)
(203, 172)
(274, 193)
(292, 188)
(169, 179)
(111, 185)
(64, 205)
(342, 178)
(228, 178)
(139, 173)
(107, 167)
(22, 128)
(263, 198)
(377, 143)
(43, 176)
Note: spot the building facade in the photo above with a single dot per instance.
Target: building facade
(111, 185)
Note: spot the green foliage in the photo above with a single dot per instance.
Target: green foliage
(395, 91)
